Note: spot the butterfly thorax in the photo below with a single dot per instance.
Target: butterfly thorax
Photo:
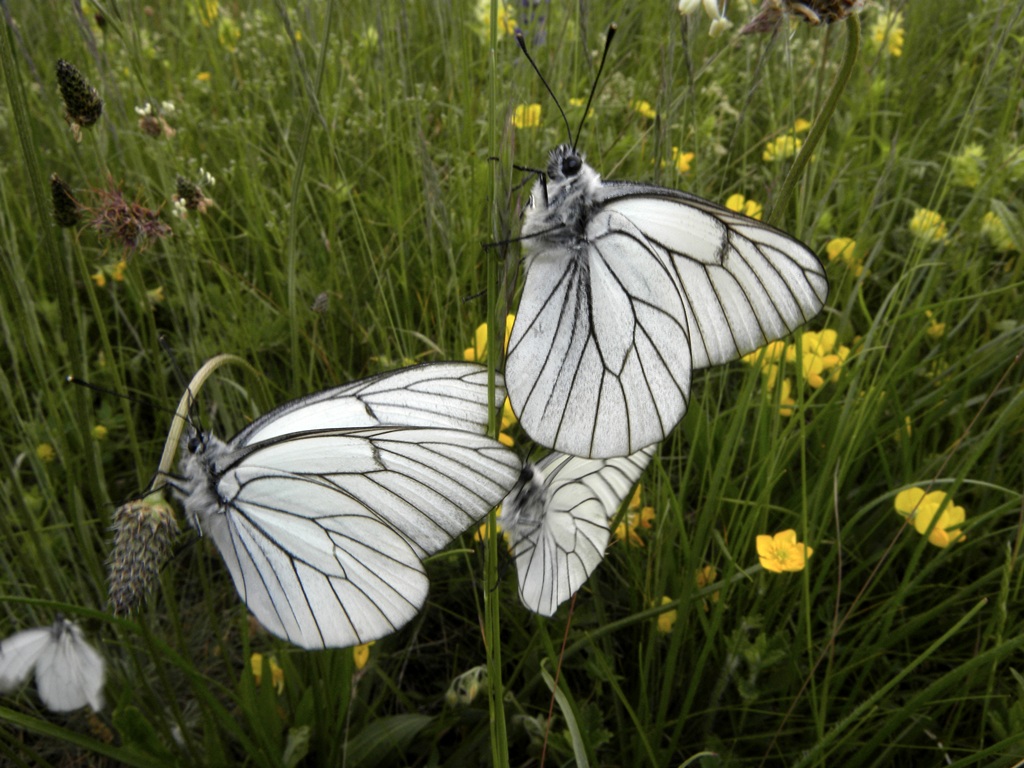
(524, 507)
(561, 204)
(197, 491)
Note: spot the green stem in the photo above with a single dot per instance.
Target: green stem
(495, 346)
(821, 121)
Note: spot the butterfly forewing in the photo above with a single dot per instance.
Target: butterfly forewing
(429, 395)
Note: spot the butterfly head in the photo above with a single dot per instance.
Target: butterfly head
(564, 163)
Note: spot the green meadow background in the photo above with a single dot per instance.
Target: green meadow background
(363, 156)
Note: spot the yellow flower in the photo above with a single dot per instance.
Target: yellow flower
(99, 278)
(801, 125)
(708, 575)
(361, 654)
(644, 108)
(936, 330)
(682, 160)
(117, 273)
(921, 509)
(478, 352)
(887, 33)
(740, 204)
(782, 552)
(820, 355)
(99, 433)
(46, 453)
(928, 226)
(506, 24)
(786, 401)
(995, 229)
(203, 77)
(967, 167)
(206, 11)
(781, 148)
(276, 673)
(667, 619)
(228, 34)
(637, 516)
(845, 250)
(526, 116)
(155, 295)
(480, 534)
(508, 420)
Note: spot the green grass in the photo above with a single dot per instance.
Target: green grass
(359, 169)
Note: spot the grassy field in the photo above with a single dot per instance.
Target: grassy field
(344, 167)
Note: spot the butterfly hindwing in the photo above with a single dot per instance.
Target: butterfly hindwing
(557, 520)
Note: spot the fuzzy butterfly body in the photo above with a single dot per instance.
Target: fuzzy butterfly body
(629, 288)
(324, 508)
(557, 520)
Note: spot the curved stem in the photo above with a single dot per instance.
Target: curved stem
(822, 120)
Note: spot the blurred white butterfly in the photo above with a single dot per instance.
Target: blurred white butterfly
(69, 671)
(629, 288)
(557, 521)
(324, 508)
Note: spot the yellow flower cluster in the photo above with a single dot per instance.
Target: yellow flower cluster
(276, 673)
(740, 204)
(506, 24)
(933, 514)
(928, 226)
(886, 33)
(967, 167)
(821, 359)
(935, 330)
(782, 552)
(998, 234)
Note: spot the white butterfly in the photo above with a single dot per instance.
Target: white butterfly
(69, 671)
(629, 288)
(324, 508)
(557, 520)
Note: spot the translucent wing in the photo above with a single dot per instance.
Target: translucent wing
(429, 395)
(69, 672)
(630, 287)
(557, 521)
(323, 532)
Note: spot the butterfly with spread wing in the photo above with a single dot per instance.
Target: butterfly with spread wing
(630, 288)
(324, 508)
(69, 672)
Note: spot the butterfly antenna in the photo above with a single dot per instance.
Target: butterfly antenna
(522, 44)
(612, 28)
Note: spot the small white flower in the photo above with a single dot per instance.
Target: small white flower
(206, 178)
(167, 107)
(686, 7)
(142, 111)
(179, 209)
